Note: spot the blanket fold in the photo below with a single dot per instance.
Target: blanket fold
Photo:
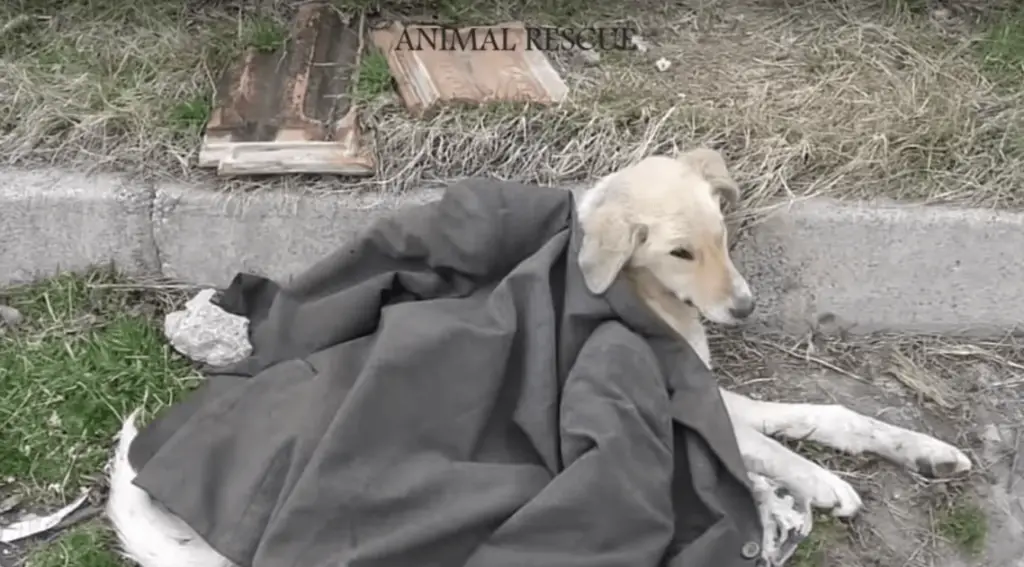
(444, 391)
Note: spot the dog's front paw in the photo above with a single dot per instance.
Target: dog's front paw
(786, 521)
(827, 491)
(934, 458)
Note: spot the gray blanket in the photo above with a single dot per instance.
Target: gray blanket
(444, 391)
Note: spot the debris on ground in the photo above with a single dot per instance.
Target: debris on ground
(587, 57)
(429, 70)
(639, 43)
(205, 333)
(10, 503)
(30, 524)
(10, 317)
(290, 108)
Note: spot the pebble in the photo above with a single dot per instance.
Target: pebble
(639, 43)
(10, 317)
(588, 57)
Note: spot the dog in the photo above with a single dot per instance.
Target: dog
(659, 223)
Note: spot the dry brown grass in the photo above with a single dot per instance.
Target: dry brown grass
(894, 98)
(111, 84)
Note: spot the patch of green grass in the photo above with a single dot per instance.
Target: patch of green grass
(965, 525)
(813, 551)
(86, 545)
(454, 10)
(374, 76)
(191, 115)
(86, 355)
(264, 34)
(1002, 49)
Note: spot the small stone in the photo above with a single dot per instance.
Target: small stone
(662, 64)
(588, 57)
(10, 317)
(206, 333)
(640, 43)
(10, 503)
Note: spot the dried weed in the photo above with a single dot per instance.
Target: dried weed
(907, 100)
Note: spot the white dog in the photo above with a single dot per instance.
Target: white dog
(660, 223)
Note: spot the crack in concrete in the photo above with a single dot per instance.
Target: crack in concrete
(151, 210)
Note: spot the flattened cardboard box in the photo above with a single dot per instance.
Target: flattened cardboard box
(433, 65)
(290, 110)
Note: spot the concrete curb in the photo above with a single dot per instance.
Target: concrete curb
(862, 267)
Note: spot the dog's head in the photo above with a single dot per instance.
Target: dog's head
(664, 216)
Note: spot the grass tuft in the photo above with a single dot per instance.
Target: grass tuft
(190, 116)
(1002, 49)
(374, 77)
(813, 551)
(87, 545)
(966, 526)
(265, 35)
(86, 356)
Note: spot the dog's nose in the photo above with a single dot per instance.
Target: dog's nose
(743, 307)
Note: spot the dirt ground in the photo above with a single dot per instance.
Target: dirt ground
(910, 99)
(968, 394)
(61, 409)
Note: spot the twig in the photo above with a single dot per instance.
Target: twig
(1012, 480)
(145, 286)
(13, 24)
(815, 360)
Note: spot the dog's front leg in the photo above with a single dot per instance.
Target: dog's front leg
(802, 478)
(786, 520)
(845, 430)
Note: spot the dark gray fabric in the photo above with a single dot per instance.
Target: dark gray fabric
(444, 391)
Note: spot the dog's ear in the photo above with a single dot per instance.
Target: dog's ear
(711, 165)
(609, 239)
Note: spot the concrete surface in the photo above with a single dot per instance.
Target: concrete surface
(858, 267)
(51, 220)
(205, 237)
(865, 268)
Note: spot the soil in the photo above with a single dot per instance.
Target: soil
(960, 392)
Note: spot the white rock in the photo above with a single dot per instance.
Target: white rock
(662, 64)
(588, 57)
(206, 333)
(640, 43)
(10, 316)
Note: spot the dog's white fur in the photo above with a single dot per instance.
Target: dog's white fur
(660, 223)
(150, 535)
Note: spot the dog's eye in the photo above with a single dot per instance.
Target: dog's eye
(682, 253)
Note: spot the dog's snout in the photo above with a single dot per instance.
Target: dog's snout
(742, 307)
